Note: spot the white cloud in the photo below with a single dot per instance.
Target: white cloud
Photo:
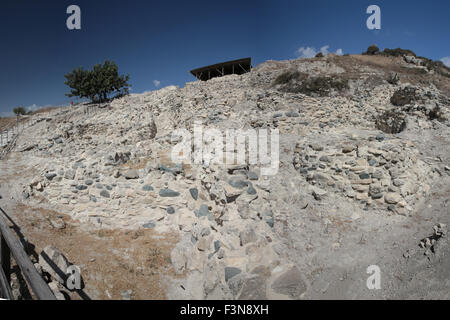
(324, 50)
(156, 83)
(307, 52)
(310, 52)
(446, 61)
(33, 107)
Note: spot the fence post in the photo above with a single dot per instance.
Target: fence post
(5, 258)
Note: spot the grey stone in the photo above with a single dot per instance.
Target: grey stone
(131, 174)
(292, 114)
(149, 225)
(251, 190)
(377, 196)
(69, 175)
(237, 183)
(252, 175)
(216, 245)
(50, 176)
(170, 210)
(316, 147)
(58, 223)
(247, 236)
(378, 174)
(54, 263)
(270, 221)
(253, 288)
(230, 272)
(194, 193)
(147, 187)
(168, 193)
(290, 283)
(203, 211)
(364, 176)
(104, 194)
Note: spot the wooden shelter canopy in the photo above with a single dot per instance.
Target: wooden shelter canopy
(239, 66)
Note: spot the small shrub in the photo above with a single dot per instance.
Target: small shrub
(398, 52)
(297, 82)
(372, 50)
(287, 77)
(319, 55)
(403, 96)
(391, 122)
(322, 86)
(436, 113)
(20, 111)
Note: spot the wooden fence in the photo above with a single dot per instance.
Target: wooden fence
(10, 245)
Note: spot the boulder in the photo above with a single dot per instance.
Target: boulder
(290, 283)
(54, 263)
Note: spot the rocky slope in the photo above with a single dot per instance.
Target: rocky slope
(347, 195)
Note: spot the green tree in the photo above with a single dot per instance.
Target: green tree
(19, 111)
(97, 84)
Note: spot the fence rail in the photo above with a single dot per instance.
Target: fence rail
(10, 245)
(8, 133)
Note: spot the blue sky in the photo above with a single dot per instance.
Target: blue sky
(163, 40)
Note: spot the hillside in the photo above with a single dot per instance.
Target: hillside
(363, 177)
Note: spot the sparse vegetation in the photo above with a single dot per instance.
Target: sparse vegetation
(322, 86)
(319, 55)
(372, 50)
(20, 111)
(398, 52)
(97, 84)
(289, 76)
(297, 82)
(436, 114)
(391, 122)
(404, 96)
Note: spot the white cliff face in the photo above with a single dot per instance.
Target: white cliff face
(243, 235)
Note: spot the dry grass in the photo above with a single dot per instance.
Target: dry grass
(353, 64)
(111, 261)
(45, 110)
